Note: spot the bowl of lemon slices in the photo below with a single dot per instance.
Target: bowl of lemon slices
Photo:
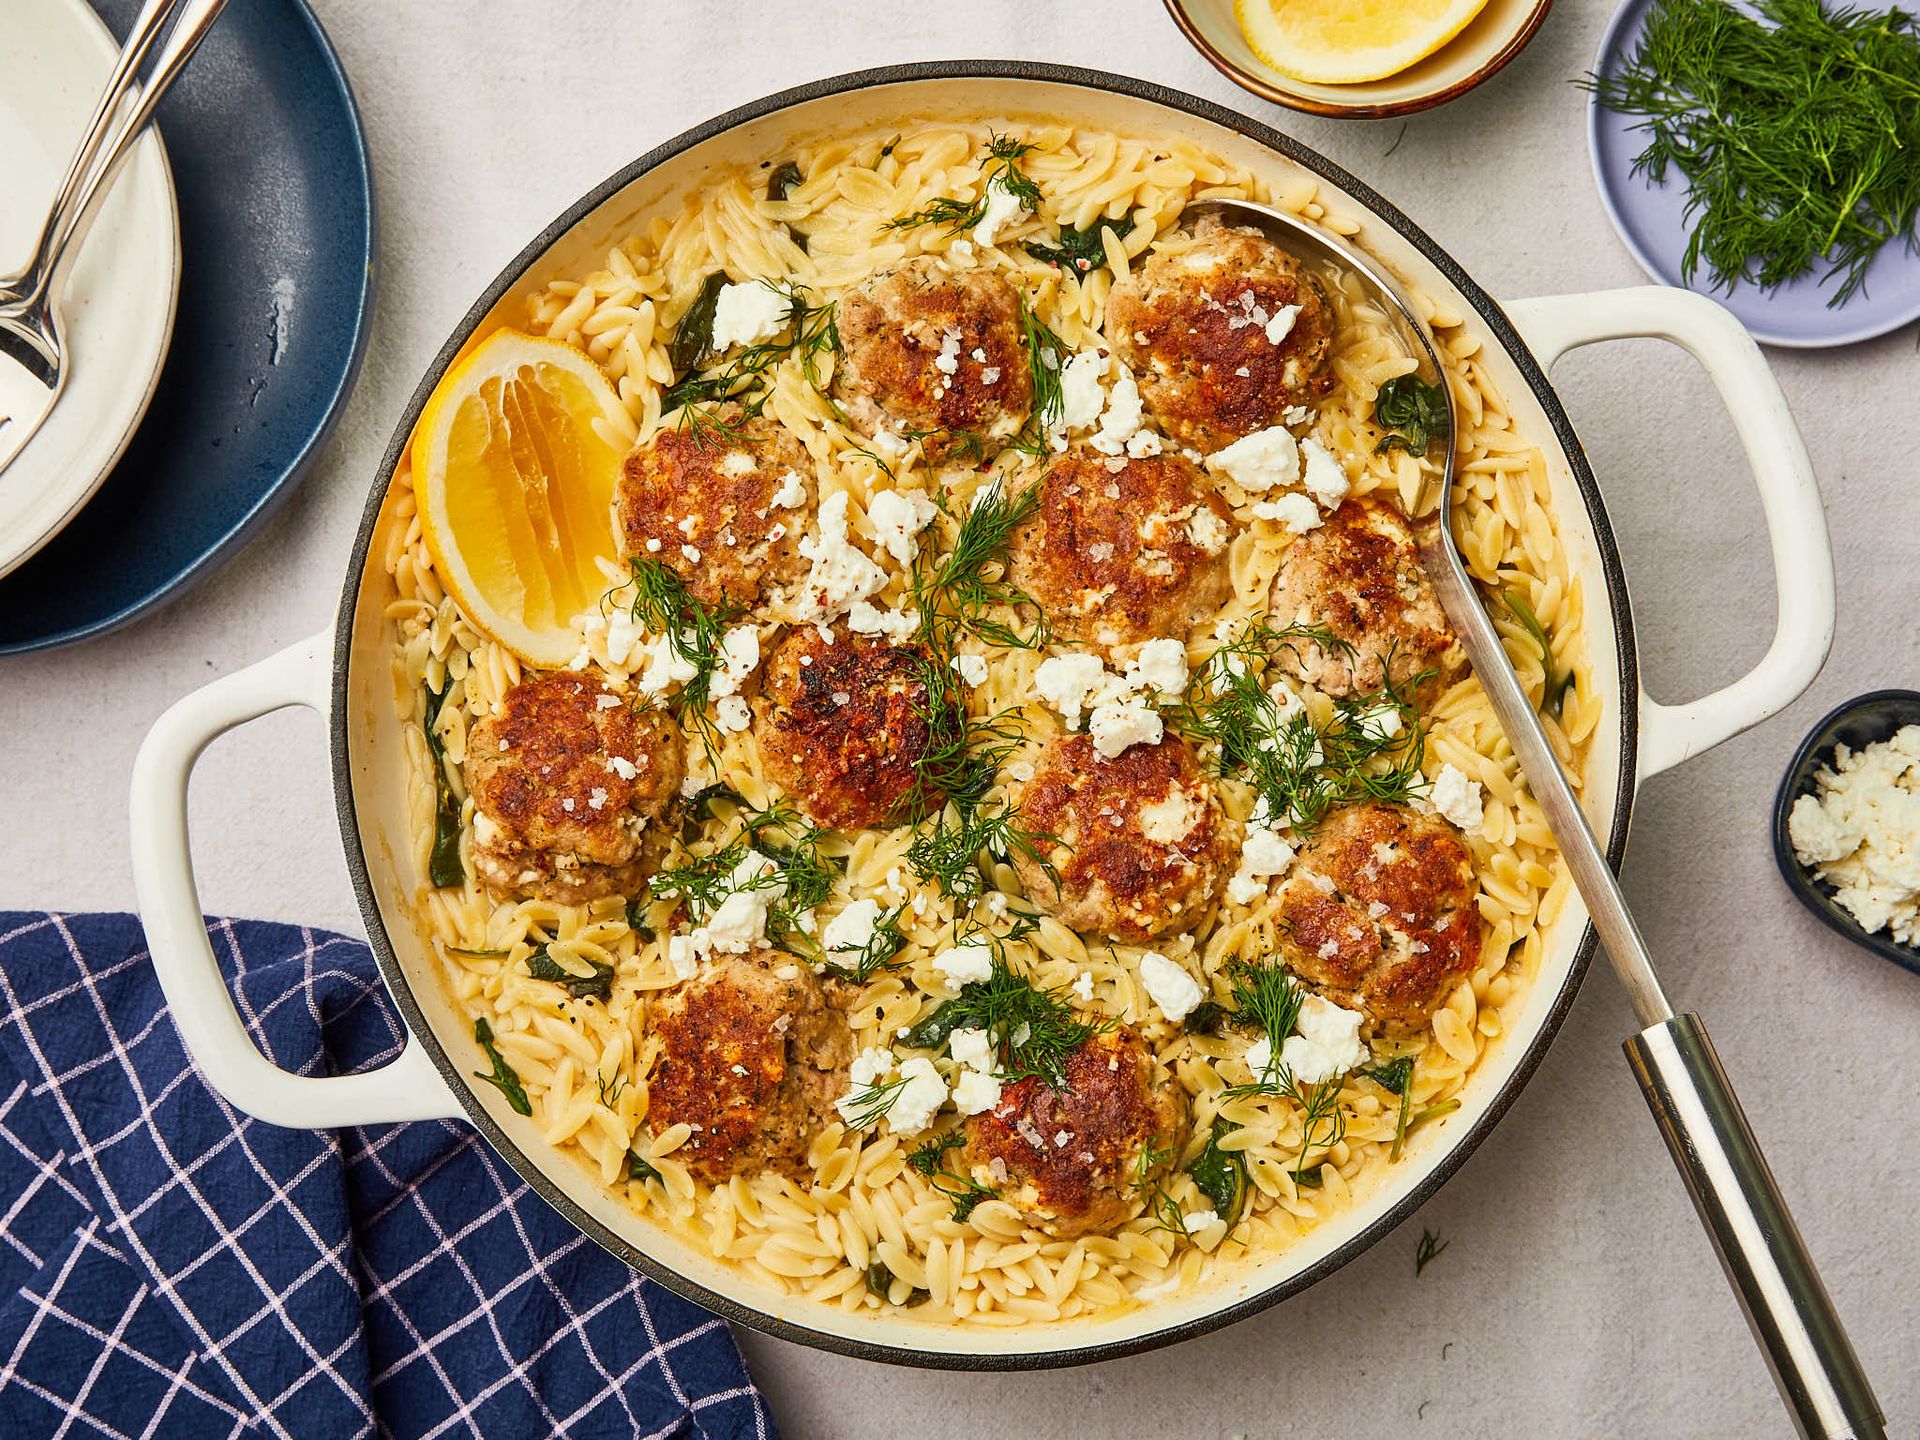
(1359, 59)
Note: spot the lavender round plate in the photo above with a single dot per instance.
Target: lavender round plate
(1651, 219)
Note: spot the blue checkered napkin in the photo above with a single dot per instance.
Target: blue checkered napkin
(171, 1268)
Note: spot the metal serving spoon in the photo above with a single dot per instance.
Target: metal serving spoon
(33, 344)
(1733, 1189)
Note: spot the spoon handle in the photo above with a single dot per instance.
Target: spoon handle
(111, 133)
(1760, 1248)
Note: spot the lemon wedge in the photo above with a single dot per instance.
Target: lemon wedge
(1345, 42)
(514, 464)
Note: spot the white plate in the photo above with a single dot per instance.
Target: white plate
(55, 56)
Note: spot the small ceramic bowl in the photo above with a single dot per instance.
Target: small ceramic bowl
(1866, 720)
(1497, 34)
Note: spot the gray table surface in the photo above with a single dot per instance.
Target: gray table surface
(1576, 1295)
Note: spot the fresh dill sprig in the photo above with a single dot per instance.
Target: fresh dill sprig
(961, 594)
(1371, 750)
(1046, 354)
(809, 332)
(803, 872)
(1032, 1031)
(1323, 1124)
(1554, 687)
(1166, 1211)
(664, 606)
(964, 751)
(1795, 126)
(609, 1089)
(1266, 995)
(1427, 1251)
(963, 1192)
(860, 963)
(867, 1108)
(947, 852)
(1000, 167)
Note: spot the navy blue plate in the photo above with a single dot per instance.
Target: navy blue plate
(1860, 722)
(276, 290)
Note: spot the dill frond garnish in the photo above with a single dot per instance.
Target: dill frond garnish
(1795, 126)
(1000, 167)
(803, 871)
(860, 963)
(1371, 750)
(1166, 1211)
(664, 606)
(1032, 1031)
(1046, 353)
(961, 594)
(1427, 1251)
(962, 1191)
(810, 332)
(867, 1108)
(1554, 687)
(947, 853)
(1266, 995)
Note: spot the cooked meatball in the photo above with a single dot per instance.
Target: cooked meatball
(1131, 847)
(566, 781)
(842, 724)
(723, 509)
(932, 352)
(1226, 337)
(1069, 1159)
(1378, 912)
(1120, 550)
(1359, 577)
(751, 1056)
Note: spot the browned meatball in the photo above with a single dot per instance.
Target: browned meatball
(566, 780)
(842, 724)
(1069, 1160)
(937, 353)
(1197, 328)
(724, 510)
(751, 1056)
(1378, 912)
(1359, 576)
(1133, 846)
(1120, 550)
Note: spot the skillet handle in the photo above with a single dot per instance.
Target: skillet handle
(1760, 1248)
(409, 1088)
(1796, 524)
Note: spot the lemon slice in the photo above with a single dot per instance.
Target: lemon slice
(514, 464)
(1344, 42)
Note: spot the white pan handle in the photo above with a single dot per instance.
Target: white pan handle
(408, 1088)
(1802, 560)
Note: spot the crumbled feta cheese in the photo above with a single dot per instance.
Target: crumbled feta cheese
(919, 1099)
(597, 800)
(1122, 417)
(662, 668)
(1260, 461)
(970, 668)
(1324, 477)
(1281, 324)
(683, 957)
(1199, 1220)
(1081, 397)
(1293, 510)
(964, 964)
(897, 516)
(842, 573)
(747, 314)
(1457, 798)
(1860, 832)
(1170, 820)
(1207, 530)
(1173, 989)
(1083, 987)
(1259, 1057)
(961, 250)
(735, 463)
(947, 362)
(1002, 206)
(866, 618)
(792, 493)
(1383, 722)
(1067, 682)
(971, 1047)
(731, 714)
(1117, 726)
(740, 922)
(1144, 443)
(1326, 1042)
(870, 1066)
(739, 657)
(1161, 665)
(852, 929)
(1263, 854)
(975, 1091)
(623, 767)
(889, 445)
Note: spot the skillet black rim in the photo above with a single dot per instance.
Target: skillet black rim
(1488, 311)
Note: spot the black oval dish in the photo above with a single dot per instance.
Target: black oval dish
(1862, 721)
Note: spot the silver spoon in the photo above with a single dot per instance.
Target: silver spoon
(1733, 1189)
(33, 344)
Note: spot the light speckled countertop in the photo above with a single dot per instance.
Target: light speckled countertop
(1577, 1295)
